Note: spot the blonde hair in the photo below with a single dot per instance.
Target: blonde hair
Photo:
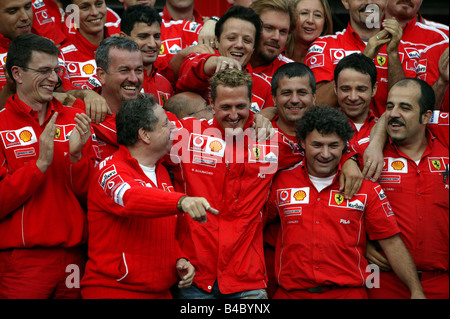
(327, 28)
(285, 6)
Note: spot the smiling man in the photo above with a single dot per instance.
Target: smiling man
(323, 235)
(237, 33)
(369, 33)
(46, 148)
(223, 158)
(415, 180)
(355, 79)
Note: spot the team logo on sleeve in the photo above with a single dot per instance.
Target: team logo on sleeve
(357, 202)
(289, 196)
(388, 209)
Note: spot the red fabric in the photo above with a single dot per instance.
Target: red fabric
(132, 243)
(47, 21)
(79, 57)
(322, 240)
(420, 198)
(41, 273)
(325, 53)
(41, 209)
(435, 286)
(360, 139)
(428, 68)
(229, 247)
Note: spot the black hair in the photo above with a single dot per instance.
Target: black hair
(358, 62)
(291, 70)
(136, 14)
(242, 13)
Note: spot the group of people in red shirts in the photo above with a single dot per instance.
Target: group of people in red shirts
(296, 176)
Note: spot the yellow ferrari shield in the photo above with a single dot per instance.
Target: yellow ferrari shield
(256, 152)
(437, 164)
(338, 198)
(58, 132)
(381, 60)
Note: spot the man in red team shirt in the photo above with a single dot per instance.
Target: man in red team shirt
(355, 78)
(237, 34)
(142, 24)
(47, 151)
(79, 49)
(376, 38)
(322, 240)
(133, 251)
(422, 34)
(415, 179)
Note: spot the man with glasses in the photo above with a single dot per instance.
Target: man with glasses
(47, 151)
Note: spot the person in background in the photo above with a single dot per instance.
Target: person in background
(313, 20)
(187, 104)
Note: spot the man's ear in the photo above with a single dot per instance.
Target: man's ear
(144, 135)
(101, 74)
(426, 117)
(16, 74)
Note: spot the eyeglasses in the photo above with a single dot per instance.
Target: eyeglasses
(45, 71)
(206, 108)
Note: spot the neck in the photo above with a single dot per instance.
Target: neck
(180, 14)
(287, 128)
(140, 152)
(413, 147)
(148, 68)
(300, 51)
(40, 108)
(114, 105)
(94, 38)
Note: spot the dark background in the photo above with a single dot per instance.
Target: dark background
(435, 10)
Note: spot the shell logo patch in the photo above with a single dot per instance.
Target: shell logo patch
(397, 165)
(25, 136)
(296, 196)
(88, 69)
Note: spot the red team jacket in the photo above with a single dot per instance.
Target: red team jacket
(131, 221)
(193, 78)
(41, 209)
(326, 52)
(323, 236)
(234, 176)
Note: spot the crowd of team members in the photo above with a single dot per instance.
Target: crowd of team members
(142, 149)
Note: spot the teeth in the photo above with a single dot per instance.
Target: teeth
(96, 21)
(129, 87)
(237, 54)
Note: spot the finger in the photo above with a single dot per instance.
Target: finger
(377, 174)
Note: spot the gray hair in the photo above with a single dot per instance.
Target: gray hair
(102, 54)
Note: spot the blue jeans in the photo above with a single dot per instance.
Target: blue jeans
(197, 293)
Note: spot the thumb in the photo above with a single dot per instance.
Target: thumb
(209, 208)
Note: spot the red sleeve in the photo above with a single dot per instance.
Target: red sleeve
(192, 76)
(319, 61)
(114, 190)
